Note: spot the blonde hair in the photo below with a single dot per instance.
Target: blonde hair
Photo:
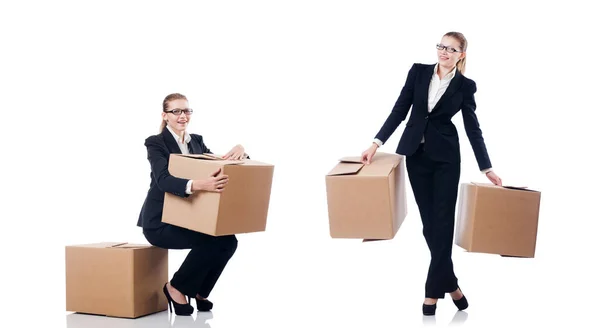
(169, 98)
(462, 63)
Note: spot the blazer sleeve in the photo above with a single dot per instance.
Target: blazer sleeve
(401, 107)
(159, 164)
(205, 149)
(472, 127)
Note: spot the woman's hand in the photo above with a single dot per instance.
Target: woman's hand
(236, 153)
(368, 154)
(215, 183)
(494, 178)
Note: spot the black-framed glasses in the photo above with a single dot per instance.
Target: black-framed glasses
(178, 111)
(448, 49)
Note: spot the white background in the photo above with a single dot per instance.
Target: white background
(299, 84)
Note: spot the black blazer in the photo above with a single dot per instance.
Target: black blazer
(441, 136)
(159, 148)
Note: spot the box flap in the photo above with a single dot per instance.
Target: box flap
(378, 169)
(378, 158)
(346, 168)
(491, 185)
(381, 164)
(518, 188)
(132, 246)
(113, 245)
(211, 157)
(100, 245)
(351, 159)
(116, 245)
(485, 184)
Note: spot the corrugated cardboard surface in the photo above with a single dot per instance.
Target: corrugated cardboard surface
(366, 201)
(466, 213)
(497, 220)
(116, 279)
(398, 192)
(245, 201)
(242, 207)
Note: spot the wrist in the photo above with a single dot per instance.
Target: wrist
(197, 185)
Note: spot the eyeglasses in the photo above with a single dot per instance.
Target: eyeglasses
(448, 49)
(178, 111)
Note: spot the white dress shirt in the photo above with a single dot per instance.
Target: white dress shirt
(183, 146)
(437, 87)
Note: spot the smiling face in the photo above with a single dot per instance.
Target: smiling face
(178, 123)
(449, 52)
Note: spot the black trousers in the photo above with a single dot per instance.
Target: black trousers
(435, 187)
(204, 263)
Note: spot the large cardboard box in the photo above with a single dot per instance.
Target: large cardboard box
(242, 207)
(497, 220)
(116, 279)
(367, 201)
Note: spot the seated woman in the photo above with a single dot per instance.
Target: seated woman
(208, 255)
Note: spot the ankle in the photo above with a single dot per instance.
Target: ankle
(430, 301)
(170, 288)
(457, 294)
(173, 291)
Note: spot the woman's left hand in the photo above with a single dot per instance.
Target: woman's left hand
(494, 178)
(236, 153)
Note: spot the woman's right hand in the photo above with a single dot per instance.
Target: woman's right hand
(368, 154)
(215, 183)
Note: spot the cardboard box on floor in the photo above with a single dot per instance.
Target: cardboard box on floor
(116, 279)
(497, 220)
(367, 201)
(242, 207)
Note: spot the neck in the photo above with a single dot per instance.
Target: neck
(443, 71)
(180, 134)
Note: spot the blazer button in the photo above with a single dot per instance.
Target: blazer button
(427, 117)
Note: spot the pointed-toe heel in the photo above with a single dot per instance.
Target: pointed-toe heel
(180, 309)
(203, 305)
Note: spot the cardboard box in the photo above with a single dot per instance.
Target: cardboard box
(242, 207)
(116, 279)
(497, 220)
(367, 201)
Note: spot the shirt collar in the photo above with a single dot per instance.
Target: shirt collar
(187, 138)
(449, 76)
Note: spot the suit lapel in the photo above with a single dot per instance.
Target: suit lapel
(170, 142)
(455, 84)
(194, 146)
(424, 82)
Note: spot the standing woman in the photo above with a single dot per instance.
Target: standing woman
(430, 144)
(208, 254)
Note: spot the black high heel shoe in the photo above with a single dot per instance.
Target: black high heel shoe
(180, 309)
(461, 303)
(202, 305)
(429, 309)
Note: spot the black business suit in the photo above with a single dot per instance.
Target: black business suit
(208, 255)
(434, 166)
